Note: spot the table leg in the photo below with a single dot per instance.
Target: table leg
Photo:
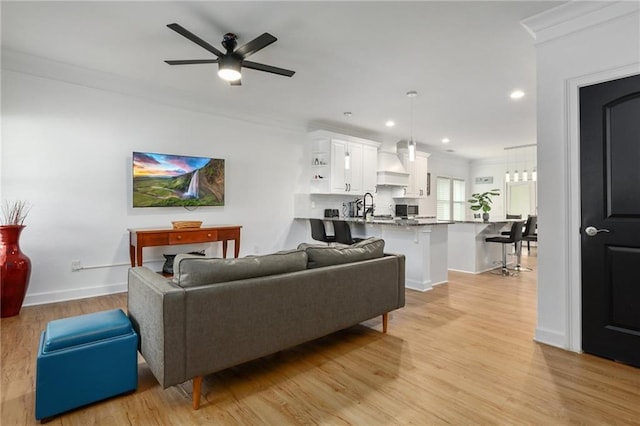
(132, 255)
(139, 255)
(236, 246)
(224, 249)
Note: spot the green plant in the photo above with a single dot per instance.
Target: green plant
(482, 201)
(14, 213)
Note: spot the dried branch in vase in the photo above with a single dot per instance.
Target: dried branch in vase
(14, 213)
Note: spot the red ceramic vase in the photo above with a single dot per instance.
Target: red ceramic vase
(15, 270)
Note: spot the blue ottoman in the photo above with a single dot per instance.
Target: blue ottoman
(85, 359)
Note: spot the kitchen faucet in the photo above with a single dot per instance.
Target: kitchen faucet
(364, 205)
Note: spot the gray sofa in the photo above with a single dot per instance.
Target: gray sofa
(218, 313)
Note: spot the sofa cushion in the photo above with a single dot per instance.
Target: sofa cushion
(320, 256)
(191, 271)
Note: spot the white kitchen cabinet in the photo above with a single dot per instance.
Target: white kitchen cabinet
(329, 173)
(345, 180)
(417, 169)
(419, 174)
(369, 168)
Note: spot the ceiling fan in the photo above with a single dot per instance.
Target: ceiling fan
(230, 63)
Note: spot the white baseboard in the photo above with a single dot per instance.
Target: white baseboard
(552, 338)
(476, 273)
(418, 285)
(76, 293)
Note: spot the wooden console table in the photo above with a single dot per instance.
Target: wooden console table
(145, 237)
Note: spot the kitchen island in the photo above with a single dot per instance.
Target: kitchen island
(469, 252)
(422, 241)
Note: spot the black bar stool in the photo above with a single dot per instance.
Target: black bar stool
(530, 232)
(343, 232)
(514, 237)
(319, 233)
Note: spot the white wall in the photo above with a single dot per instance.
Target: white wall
(582, 42)
(496, 169)
(67, 148)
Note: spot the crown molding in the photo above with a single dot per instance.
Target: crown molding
(575, 16)
(23, 63)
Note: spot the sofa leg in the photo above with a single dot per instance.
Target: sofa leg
(197, 388)
(385, 321)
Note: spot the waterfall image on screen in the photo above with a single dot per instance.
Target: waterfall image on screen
(166, 180)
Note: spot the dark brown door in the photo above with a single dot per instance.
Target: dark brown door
(610, 190)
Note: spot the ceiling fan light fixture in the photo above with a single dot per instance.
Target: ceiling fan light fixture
(229, 74)
(229, 68)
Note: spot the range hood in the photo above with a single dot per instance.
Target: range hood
(390, 170)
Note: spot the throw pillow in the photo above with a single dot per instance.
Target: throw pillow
(192, 271)
(371, 248)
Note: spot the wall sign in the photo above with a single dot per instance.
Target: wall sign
(484, 179)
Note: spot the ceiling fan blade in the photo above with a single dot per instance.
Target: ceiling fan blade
(267, 68)
(193, 61)
(194, 38)
(236, 83)
(254, 45)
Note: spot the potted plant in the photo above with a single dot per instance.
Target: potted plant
(482, 201)
(15, 266)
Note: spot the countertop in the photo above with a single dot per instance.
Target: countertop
(389, 222)
(481, 222)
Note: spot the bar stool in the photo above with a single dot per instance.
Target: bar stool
(319, 233)
(515, 237)
(530, 232)
(527, 235)
(343, 233)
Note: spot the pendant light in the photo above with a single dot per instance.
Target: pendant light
(412, 144)
(516, 175)
(507, 177)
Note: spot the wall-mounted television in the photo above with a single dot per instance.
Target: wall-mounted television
(167, 180)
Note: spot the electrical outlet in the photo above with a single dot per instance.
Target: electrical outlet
(75, 265)
(313, 204)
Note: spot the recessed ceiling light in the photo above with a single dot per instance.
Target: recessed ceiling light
(390, 123)
(516, 94)
(446, 140)
(347, 114)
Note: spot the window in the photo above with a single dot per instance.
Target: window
(450, 198)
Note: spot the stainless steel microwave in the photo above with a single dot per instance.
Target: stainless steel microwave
(406, 210)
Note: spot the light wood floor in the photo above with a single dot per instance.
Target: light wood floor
(460, 354)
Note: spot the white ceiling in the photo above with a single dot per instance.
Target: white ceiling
(463, 59)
